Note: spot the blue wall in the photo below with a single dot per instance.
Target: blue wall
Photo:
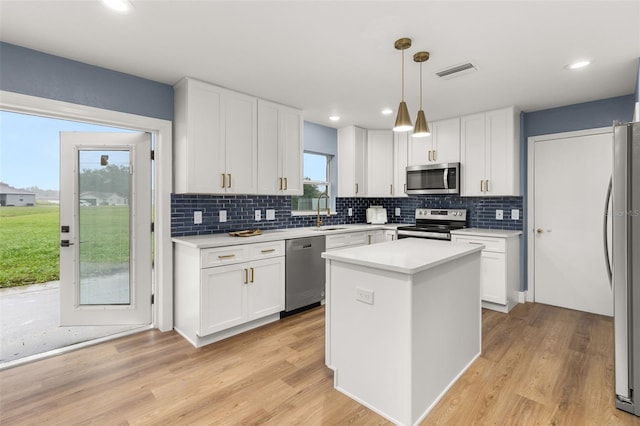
(34, 73)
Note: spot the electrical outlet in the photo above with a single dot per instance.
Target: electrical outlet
(499, 214)
(349, 211)
(222, 216)
(515, 214)
(397, 211)
(364, 295)
(197, 218)
(258, 215)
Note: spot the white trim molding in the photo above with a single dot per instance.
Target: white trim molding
(163, 137)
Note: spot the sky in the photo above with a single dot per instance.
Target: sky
(30, 149)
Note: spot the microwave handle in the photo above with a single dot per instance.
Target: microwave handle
(445, 177)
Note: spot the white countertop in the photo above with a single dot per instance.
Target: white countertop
(224, 239)
(481, 232)
(407, 256)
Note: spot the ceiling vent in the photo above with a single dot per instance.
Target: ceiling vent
(457, 70)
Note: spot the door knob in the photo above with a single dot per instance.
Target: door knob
(539, 231)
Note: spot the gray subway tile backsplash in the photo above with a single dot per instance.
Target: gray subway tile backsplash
(241, 209)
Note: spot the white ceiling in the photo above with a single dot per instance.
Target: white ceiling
(337, 57)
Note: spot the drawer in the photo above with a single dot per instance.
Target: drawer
(346, 240)
(497, 245)
(222, 256)
(266, 250)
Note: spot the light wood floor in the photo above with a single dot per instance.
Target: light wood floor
(540, 365)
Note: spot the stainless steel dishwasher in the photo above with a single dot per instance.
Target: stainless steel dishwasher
(304, 273)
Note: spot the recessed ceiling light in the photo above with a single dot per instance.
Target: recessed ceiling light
(120, 6)
(578, 65)
(334, 117)
(387, 111)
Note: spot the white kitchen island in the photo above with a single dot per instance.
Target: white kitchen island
(403, 322)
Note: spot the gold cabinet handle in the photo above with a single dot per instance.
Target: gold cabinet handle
(435, 157)
(252, 272)
(429, 155)
(229, 180)
(286, 184)
(268, 251)
(391, 189)
(486, 185)
(280, 183)
(356, 188)
(227, 256)
(224, 180)
(481, 186)
(539, 231)
(246, 275)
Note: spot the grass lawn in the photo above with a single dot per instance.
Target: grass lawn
(29, 241)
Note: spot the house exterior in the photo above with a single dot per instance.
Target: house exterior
(90, 198)
(10, 196)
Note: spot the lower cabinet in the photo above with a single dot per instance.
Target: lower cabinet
(499, 267)
(224, 291)
(390, 234)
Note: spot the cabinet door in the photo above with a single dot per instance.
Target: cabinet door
(222, 298)
(493, 277)
(361, 188)
(269, 173)
(419, 150)
(446, 141)
(400, 152)
(241, 143)
(390, 235)
(346, 162)
(265, 291)
(472, 154)
(380, 163)
(292, 148)
(502, 159)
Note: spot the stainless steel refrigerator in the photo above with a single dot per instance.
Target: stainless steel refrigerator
(625, 264)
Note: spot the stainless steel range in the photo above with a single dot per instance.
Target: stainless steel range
(434, 224)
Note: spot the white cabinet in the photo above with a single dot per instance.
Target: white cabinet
(280, 149)
(352, 158)
(354, 239)
(379, 163)
(223, 291)
(499, 267)
(442, 146)
(490, 153)
(375, 237)
(390, 234)
(400, 162)
(215, 140)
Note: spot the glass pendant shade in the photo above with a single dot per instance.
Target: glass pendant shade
(403, 121)
(421, 129)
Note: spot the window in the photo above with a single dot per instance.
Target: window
(317, 180)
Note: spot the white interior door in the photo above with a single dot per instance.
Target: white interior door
(105, 228)
(571, 175)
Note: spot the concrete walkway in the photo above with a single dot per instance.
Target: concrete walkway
(29, 322)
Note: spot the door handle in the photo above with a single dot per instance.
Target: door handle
(246, 276)
(224, 180)
(539, 230)
(356, 188)
(65, 243)
(280, 180)
(435, 155)
(229, 180)
(286, 185)
(430, 155)
(252, 272)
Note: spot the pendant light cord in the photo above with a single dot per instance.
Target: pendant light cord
(420, 85)
(402, 75)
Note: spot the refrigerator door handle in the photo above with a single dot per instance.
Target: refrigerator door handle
(605, 240)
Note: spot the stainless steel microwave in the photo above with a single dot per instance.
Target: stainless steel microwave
(434, 179)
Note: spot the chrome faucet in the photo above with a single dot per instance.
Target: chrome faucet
(318, 219)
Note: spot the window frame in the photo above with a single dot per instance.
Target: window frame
(327, 184)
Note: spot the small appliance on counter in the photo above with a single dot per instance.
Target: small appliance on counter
(376, 215)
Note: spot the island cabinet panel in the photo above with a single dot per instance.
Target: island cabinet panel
(216, 140)
(280, 149)
(352, 158)
(224, 291)
(500, 265)
(400, 327)
(490, 153)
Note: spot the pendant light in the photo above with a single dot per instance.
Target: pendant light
(403, 121)
(421, 129)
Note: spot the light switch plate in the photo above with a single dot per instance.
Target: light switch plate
(197, 217)
(258, 215)
(222, 216)
(271, 214)
(397, 211)
(515, 214)
(499, 214)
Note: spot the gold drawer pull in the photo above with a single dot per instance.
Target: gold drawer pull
(246, 276)
(251, 275)
(268, 251)
(226, 256)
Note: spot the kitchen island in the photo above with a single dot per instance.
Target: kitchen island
(403, 322)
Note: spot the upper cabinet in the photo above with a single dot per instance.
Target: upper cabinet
(280, 149)
(400, 162)
(224, 145)
(380, 163)
(442, 146)
(352, 158)
(489, 153)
